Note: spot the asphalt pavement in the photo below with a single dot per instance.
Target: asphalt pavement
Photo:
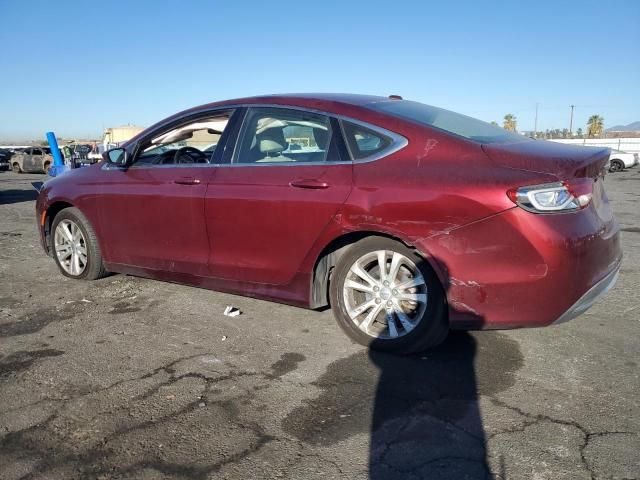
(132, 378)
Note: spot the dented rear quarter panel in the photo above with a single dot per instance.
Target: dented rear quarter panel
(428, 191)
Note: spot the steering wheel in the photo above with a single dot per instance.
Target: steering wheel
(183, 153)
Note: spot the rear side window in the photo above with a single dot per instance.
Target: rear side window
(362, 141)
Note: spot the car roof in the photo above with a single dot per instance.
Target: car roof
(330, 102)
(303, 98)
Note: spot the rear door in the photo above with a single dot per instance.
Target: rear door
(282, 185)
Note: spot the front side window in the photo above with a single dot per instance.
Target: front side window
(192, 142)
(274, 135)
(36, 151)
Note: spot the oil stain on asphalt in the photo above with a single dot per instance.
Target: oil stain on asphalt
(23, 360)
(33, 322)
(288, 362)
(120, 308)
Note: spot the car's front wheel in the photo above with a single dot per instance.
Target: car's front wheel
(384, 295)
(16, 168)
(75, 246)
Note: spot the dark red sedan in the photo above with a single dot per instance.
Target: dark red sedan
(407, 219)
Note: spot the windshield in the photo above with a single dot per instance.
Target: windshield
(451, 122)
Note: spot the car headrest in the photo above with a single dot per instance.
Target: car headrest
(272, 140)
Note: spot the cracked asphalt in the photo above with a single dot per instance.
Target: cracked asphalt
(132, 378)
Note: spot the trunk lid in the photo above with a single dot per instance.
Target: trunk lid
(562, 160)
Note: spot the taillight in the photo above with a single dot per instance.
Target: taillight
(560, 197)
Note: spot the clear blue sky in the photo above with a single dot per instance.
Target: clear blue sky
(77, 67)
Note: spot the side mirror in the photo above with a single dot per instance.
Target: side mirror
(116, 156)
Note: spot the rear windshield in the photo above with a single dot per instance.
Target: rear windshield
(451, 122)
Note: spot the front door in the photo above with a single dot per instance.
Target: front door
(152, 213)
(284, 184)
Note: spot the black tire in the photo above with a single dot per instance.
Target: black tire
(16, 168)
(94, 267)
(616, 166)
(431, 329)
(47, 167)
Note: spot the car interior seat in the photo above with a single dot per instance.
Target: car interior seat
(271, 143)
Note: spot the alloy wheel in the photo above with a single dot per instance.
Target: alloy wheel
(71, 247)
(385, 294)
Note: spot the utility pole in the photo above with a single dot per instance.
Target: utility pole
(571, 120)
(535, 124)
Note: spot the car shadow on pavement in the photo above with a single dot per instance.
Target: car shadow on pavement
(18, 196)
(421, 412)
(426, 420)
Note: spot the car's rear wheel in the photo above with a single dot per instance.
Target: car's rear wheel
(47, 167)
(616, 166)
(75, 246)
(16, 168)
(386, 296)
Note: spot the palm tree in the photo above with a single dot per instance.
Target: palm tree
(595, 126)
(510, 122)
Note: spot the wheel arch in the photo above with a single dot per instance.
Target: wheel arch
(329, 256)
(51, 212)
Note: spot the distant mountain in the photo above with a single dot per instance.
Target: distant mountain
(632, 127)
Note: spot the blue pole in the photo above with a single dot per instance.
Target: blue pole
(58, 166)
(58, 161)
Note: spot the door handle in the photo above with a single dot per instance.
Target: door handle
(309, 183)
(187, 181)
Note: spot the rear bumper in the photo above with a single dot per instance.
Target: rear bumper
(517, 269)
(592, 296)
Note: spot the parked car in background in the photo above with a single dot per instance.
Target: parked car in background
(95, 155)
(32, 160)
(81, 155)
(406, 219)
(620, 160)
(5, 157)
